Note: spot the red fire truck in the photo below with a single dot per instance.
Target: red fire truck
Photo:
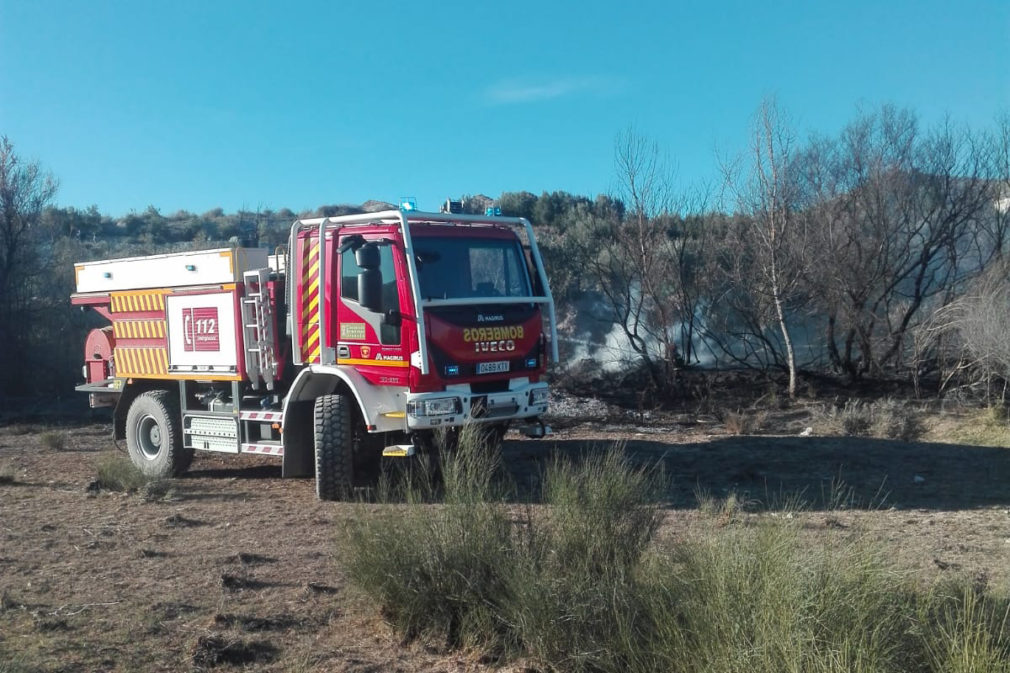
(370, 334)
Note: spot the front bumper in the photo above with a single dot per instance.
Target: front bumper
(522, 400)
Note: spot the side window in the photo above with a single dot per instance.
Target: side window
(349, 270)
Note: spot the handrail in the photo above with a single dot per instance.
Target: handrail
(403, 219)
(415, 291)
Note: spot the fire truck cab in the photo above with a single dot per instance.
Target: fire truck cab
(371, 334)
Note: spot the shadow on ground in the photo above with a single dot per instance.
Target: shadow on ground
(862, 472)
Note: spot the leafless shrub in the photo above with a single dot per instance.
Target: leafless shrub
(970, 335)
(893, 419)
(885, 419)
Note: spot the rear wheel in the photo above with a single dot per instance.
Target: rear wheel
(333, 440)
(154, 435)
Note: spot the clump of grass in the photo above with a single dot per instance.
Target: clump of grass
(8, 475)
(117, 473)
(744, 423)
(752, 599)
(892, 419)
(437, 568)
(967, 629)
(53, 440)
(884, 419)
(577, 560)
(724, 510)
(988, 427)
(15, 663)
(465, 571)
(581, 584)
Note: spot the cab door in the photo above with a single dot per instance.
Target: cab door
(370, 330)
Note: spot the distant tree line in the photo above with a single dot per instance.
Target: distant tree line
(877, 252)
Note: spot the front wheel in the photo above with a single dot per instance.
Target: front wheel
(154, 436)
(333, 441)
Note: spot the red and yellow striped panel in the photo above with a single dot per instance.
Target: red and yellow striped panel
(139, 329)
(310, 301)
(134, 302)
(141, 362)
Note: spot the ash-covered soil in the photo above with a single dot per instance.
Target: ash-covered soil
(233, 568)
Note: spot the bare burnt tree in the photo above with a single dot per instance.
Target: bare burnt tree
(644, 263)
(897, 215)
(996, 229)
(760, 261)
(25, 190)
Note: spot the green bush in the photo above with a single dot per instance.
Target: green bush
(117, 473)
(580, 583)
(574, 580)
(437, 568)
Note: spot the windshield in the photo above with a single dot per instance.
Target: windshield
(458, 268)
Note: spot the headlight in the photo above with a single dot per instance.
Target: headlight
(539, 396)
(441, 406)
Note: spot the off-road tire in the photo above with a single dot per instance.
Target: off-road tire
(154, 435)
(333, 440)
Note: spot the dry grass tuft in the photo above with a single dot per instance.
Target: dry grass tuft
(117, 473)
(53, 440)
(883, 419)
(8, 474)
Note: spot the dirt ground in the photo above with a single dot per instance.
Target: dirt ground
(236, 569)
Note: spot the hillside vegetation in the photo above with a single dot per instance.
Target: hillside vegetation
(874, 254)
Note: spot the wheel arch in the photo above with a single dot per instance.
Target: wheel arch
(372, 403)
(311, 383)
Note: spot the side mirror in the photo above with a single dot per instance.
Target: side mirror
(367, 256)
(370, 288)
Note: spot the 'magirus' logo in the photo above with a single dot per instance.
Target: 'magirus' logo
(490, 317)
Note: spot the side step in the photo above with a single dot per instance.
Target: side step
(399, 451)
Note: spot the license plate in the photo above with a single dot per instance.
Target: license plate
(493, 367)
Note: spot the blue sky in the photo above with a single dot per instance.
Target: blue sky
(252, 105)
